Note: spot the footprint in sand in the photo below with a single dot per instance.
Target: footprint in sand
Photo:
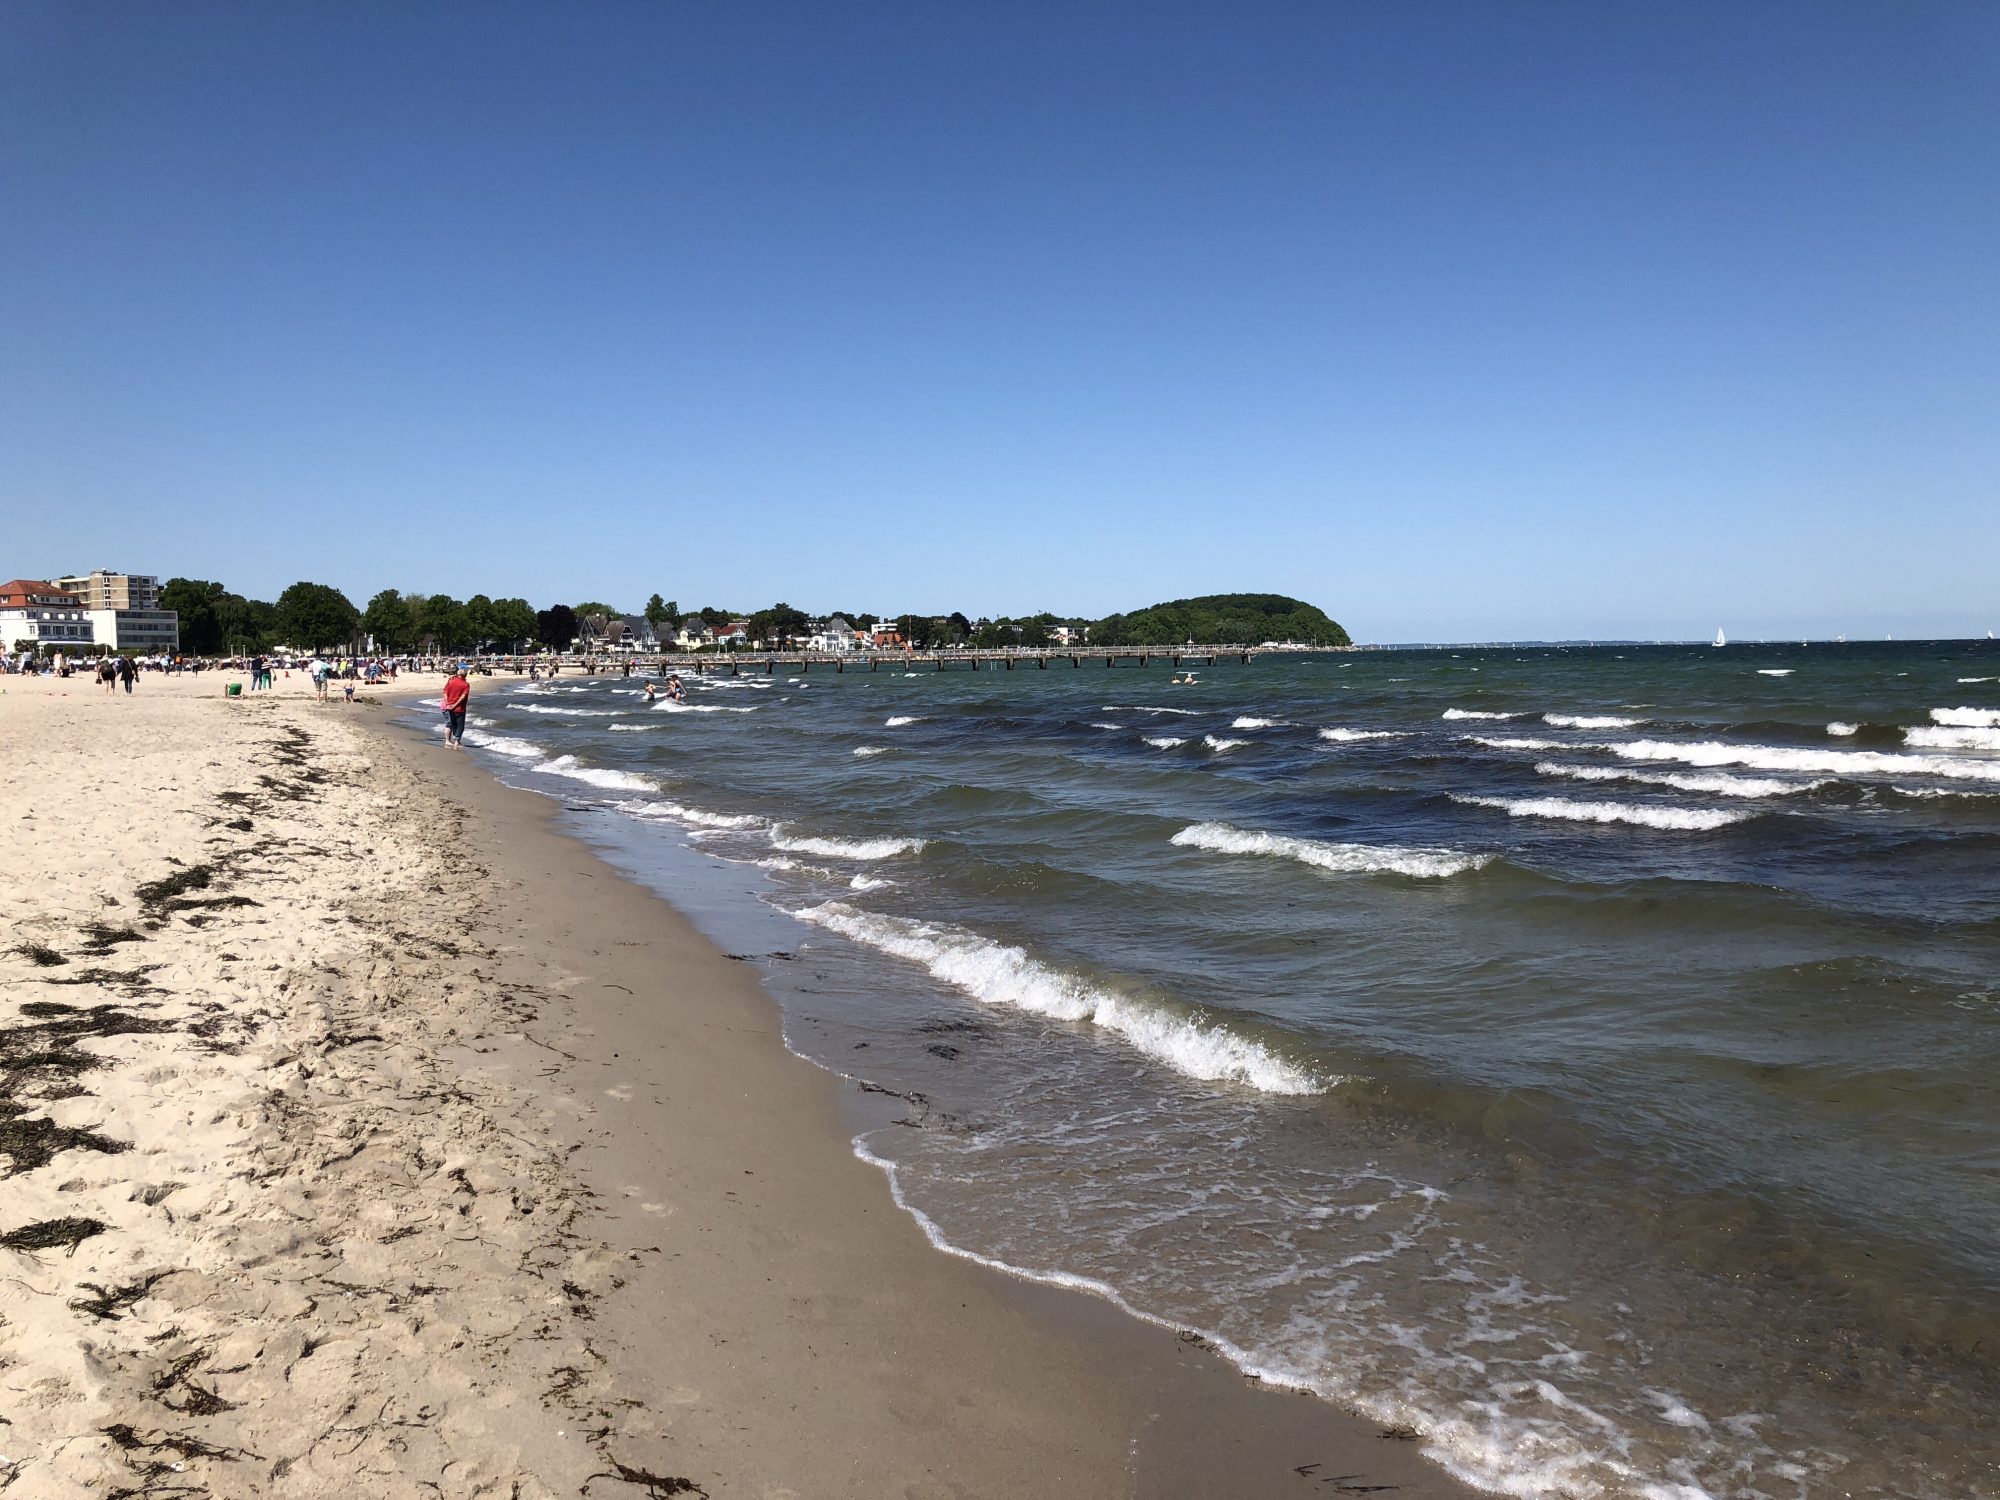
(622, 1092)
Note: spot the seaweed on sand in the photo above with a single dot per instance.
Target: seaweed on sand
(658, 1486)
(41, 957)
(47, 1234)
(99, 939)
(108, 1302)
(158, 896)
(28, 1144)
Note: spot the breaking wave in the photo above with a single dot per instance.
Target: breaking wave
(1477, 713)
(1953, 739)
(862, 752)
(1841, 729)
(897, 721)
(1721, 783)
(1220, 745)
(999, 974)
(1345, 859)
(576, 770)
(1249, 722)
(1347, 736)
(1679, 819)
(1164, 741)
(1786, 758)
(882, 848)
(1590, 721)
(1967, 718)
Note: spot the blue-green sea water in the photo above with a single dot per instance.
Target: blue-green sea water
(1588, 1057)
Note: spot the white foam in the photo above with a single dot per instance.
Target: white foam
(1719, 782)
(576, 770)
(1148, 708)
(995, 973)
(1221, 745)
(1103, 724)
(868, 883)
(1786, 758)
(668, 706)
(1348, 736)
(1590, 721)
(1249, 722)
(1520, 744)
(501, 744)
(862, 752)
(1164, 741)
(1775, 671)
(1953, 739)
(1344, 859)
(1476, 713)
(1967, 718)
(882, 848)
(1840, 729)
(1679, 819)
(1977, 679)
(1931, 791)
(693, 816)
(897, 721)
(567, 712)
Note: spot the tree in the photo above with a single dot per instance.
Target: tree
(316, 615)
(1221, 619)
(389, 620)
(657, 612)
(513, 622)
(960, 626)
(195, 601)
(445, 623)
(712, 616)
(479, 621)
(596, 607)
(556, 627)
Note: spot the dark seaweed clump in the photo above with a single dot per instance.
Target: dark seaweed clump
(48, 1234)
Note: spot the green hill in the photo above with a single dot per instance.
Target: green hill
(1221, 620)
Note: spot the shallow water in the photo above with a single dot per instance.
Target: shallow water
(1585, 1056)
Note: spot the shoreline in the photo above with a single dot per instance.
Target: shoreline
(1140, 1410)
(478, 1165)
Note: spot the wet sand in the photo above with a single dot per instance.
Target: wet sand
(474, 1169)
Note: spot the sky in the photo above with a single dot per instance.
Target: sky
(1462, 321)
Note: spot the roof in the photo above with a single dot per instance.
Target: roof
(19, 591)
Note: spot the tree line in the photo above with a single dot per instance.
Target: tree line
(318, 616)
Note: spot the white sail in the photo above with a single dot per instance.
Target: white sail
(1720, 638)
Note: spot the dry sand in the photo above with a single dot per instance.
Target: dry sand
(365, 1135)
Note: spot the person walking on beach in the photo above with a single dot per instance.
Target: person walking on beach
(107, 674)
(128, 672)
(457, 694)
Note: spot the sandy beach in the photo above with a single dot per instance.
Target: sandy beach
(366, 1134)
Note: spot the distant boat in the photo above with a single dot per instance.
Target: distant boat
(1720, 638)
(1840, 640)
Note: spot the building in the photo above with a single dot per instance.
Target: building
(125, 611)
(35, 615)
(834, 635)
(102, 589)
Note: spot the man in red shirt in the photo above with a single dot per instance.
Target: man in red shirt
(457, 694)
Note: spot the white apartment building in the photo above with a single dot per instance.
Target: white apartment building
(37, 615)
(125, 611)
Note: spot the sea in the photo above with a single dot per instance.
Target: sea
(1587, 1059)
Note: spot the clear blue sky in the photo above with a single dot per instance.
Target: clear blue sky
(1463, 321)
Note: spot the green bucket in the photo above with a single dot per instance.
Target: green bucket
(234, 690)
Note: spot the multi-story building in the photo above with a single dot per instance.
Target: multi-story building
(125, 610)
(35, 614)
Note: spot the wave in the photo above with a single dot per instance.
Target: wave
(567, 712)
(1721, 782)
(1221, 745)
(1967, 718)
(1776, 671)
(1841, 729)
(695, 816)
(1786, 758)
(1938, 791)
(1148, 708)
(862, 752)
(1519, 744)
(995, 973)
(668, 706)
(576, 770)
(1590, 721)
(1348, 736)
(1247, 721)
(1953, 739)
(881, 848)
(1344, 859)
(501, 744)
(1477, 713)
(1978, 679)
(1164, 741)
(899, 720)
(1102, 724)
(1679, 819)
(869, 883)
(628, 728)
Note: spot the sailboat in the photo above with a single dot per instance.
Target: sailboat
(1720, 638)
